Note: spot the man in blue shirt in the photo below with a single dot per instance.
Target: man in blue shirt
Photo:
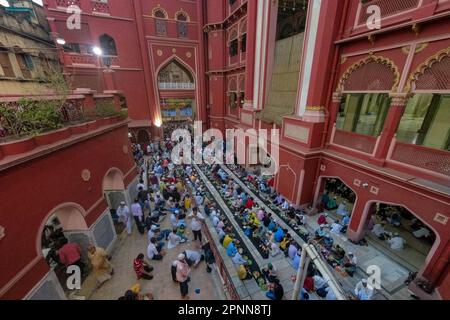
(231, 249)
(279, 235)
(296, 260)
(272, 226)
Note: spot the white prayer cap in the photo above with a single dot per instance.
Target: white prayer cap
(350, 253)
(364, 280)
(181, 256)
(122, 203)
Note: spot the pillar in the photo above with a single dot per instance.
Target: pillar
(356, 229)
(151, 102)
(317, 59)
(108, 78)
(393, 118)
(250, 52)
(334, 110)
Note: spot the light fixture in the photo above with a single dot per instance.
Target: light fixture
(365, 185)
(97, 51)
(130, 135)
(60, 41)
(158, 123)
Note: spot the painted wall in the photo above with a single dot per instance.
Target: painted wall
(36, 187)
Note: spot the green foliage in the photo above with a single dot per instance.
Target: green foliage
(106, 109)
(30, 117)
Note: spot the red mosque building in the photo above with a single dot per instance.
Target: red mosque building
(366, 107)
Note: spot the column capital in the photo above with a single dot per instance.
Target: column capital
(337, 96)
(399, 99)
(315, 108)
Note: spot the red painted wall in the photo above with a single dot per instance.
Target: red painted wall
(35, 187)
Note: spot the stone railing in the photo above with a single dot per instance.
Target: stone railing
(176, 86)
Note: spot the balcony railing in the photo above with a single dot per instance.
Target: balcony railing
(94, 6)
(100, 7)
(430, 159)
(351, 140)
(84, 59)
(68, 3)
(176, 86)
(387, 7)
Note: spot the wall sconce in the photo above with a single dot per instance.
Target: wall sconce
(158, 122)
(97, 51)
(60, 41)
(365, 185)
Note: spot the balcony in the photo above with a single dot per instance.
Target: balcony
(420, 158)
(176, 86)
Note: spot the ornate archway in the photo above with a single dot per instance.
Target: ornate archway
(432, 74)
(374, 73)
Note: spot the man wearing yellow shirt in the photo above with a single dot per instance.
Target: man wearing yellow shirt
(226, 241)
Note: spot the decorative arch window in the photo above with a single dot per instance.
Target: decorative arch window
(160, 22)
(366, 101)
(425, 121)
(233, 43)
(5, 62)
(108, 45)
(182, 26)
(175, 76)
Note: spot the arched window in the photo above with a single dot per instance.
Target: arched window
(366, 86)
(182, 25)
(160, 22)
(175, 76)
(108, 45)
(425, 118)
(5, 62)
